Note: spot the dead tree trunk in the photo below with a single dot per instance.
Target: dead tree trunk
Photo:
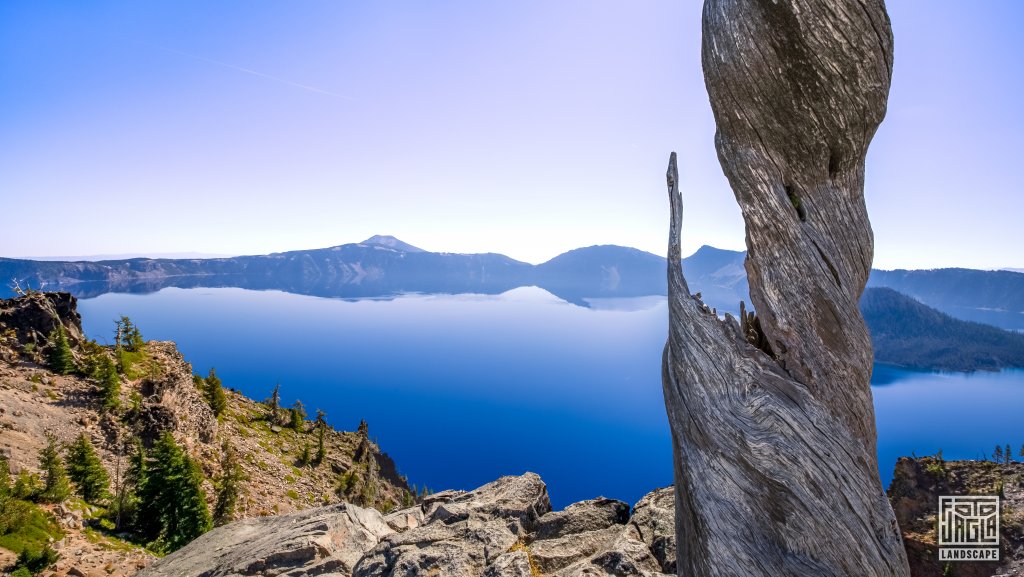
(772, 423)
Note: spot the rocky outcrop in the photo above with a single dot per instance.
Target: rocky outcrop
(771, 416)
(915, 489)
(30, 319)
(463, 533)
(503, 529)
(170, 399)
(328, 540)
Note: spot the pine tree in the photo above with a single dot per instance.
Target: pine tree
(129, 346)
(110, 383)
(321, 430)
(9, 508)
(128, 336)
(118, 496)
(194, 518)
(61, 360)
(173, 507)
(297, 416)
(997, 455)
(86, 470)
(127, 499)
(304, 457)
(1008, 454)
(6, 486)
(364, 429)
(1021, 454)
(274, 404)
(56, 488)
(215, 395)
(228, 486)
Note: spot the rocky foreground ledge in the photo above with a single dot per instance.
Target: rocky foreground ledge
(503, 529)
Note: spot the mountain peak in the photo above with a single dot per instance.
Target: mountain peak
(710, 251)
(391, 242)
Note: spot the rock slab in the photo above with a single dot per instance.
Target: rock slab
(327, 540)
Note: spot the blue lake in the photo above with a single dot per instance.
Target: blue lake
(461, 389)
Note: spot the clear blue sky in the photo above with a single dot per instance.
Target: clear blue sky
(525, 127)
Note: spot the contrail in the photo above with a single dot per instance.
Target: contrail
(250, 71)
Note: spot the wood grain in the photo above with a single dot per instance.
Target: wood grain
(772, 421)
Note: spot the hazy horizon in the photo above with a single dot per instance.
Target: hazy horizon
(526, 129)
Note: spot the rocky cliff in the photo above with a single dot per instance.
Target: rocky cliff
(162, 397)
(916, 486)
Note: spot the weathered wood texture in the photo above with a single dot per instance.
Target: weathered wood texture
(772, 422)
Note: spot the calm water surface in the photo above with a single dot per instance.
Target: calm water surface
(460, 389)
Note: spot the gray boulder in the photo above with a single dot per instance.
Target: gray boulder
(463, 533)
(520, 501)
(512, 564)
(592, 515)
(461, 549)
(654, 517)
(405, 519)
(626, 555)
(558, 552)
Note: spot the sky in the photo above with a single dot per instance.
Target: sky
(525, 127)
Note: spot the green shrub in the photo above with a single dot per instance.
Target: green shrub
(935, 469)
(36, 559)
(347, 482)
(27, 486)
(304, 456)
(128, 362)
(28, 526)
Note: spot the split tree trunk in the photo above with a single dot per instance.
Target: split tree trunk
(772, 422)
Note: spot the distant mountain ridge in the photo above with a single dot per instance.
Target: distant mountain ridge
(907, 333)
(385, 266)
(960, 292)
